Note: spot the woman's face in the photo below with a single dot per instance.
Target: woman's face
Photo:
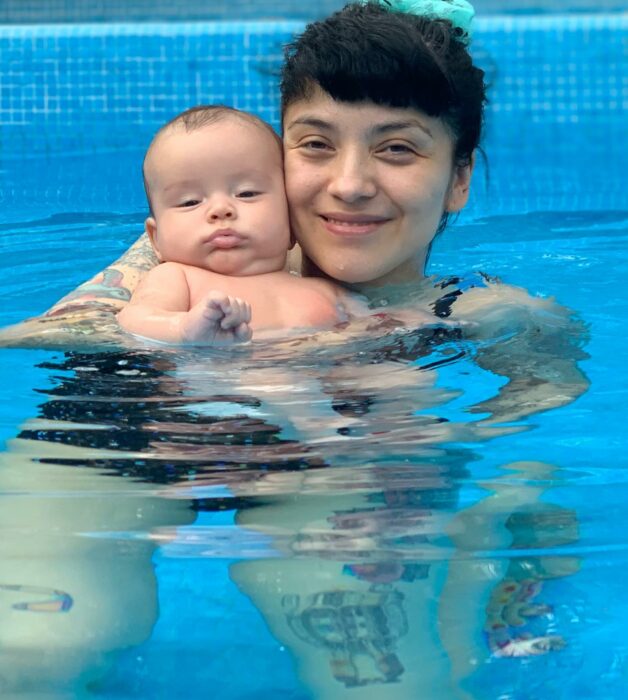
(367, 186)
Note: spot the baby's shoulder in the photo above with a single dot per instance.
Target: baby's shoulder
(198, 276)
(165, 269)
(333, 292)
(166, 273)
(176, 277)
(308, 301)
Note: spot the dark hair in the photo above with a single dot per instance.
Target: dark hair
(198, 117)
(366, 52)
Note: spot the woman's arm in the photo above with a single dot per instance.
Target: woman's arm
(534, 343)
(112, 288)
(86, 316)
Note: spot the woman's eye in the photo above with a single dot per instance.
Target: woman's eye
(315, 145)
(398, 149)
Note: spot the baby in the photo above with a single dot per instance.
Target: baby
(219, 225)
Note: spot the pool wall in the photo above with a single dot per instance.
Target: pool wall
(558, 91)
(44, 11)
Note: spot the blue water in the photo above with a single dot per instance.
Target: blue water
(195, 507)
(208, 633)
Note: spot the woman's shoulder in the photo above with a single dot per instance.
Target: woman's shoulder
(449, 290)
(491, 306)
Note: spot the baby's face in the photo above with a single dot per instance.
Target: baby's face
(218, 198)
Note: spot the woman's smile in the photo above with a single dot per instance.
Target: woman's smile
(352, 225)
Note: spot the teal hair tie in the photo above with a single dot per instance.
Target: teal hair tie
(459, 12)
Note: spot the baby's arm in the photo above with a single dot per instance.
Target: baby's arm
(160, 309)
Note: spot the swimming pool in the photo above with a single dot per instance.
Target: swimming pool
(369, 509)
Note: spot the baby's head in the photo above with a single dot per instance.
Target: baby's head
(214, 181)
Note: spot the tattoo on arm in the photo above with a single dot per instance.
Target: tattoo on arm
(140, 256)
(107, 285)
(110, 289)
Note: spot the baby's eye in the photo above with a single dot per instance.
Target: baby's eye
(247, 194)
(189, 203)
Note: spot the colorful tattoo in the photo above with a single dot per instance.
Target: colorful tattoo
(107, 284)
(81, 305)
(509, 609)
(54, 602)
(116, 282)
(140, 256)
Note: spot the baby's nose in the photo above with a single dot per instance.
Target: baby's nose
(221, 210)
(222, 214)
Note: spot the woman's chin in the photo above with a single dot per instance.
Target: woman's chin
(361, 276)
(343, 274)
(357, 273)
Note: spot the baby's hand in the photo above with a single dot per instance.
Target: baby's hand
(217, 319)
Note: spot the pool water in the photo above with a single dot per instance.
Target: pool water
(330, 522)
(176, 434)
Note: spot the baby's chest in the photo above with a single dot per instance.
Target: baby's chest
(262, 295)
(276, 301)
(201, 282)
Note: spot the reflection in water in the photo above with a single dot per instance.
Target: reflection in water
(514, 609)
(346, 481)
(352, 625)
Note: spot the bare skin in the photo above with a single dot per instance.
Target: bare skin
(219, 224)
(179, 304)
(85, 318)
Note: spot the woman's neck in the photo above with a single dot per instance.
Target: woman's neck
(393, 290)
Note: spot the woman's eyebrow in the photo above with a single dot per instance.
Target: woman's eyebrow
(401, 125)
(377, 129)
(308, 120)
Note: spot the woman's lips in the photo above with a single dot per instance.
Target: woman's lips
(352, 225)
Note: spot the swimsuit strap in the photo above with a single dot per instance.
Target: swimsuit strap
(442, 306)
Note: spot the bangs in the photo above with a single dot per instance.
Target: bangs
(356, 67)
(369, 81)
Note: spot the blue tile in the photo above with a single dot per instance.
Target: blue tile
(557, 87)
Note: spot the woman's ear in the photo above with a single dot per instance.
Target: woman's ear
(150, 226)
(460, 185)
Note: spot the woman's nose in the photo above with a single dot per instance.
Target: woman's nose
(351, 179)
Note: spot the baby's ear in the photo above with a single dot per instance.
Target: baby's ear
(150, 226)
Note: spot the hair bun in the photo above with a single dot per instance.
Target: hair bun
(459, 12)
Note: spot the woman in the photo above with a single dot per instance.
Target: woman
(382, 113)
